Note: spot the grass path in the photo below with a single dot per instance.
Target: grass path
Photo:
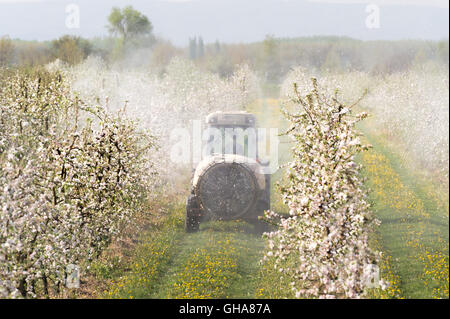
(219, 261)
(414, 226)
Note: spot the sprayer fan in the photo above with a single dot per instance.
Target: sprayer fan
(227, 190)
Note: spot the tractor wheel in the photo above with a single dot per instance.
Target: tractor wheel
(261, 226)
(192, 221)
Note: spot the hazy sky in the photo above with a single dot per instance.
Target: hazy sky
(234, 20)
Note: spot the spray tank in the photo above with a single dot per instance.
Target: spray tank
(228, 184)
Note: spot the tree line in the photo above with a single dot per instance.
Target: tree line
(131, 31)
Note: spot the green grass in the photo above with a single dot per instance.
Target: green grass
(219, 261)
(150, 260)
(414, 220)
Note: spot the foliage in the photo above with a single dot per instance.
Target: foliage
(274, 58)
(71, 176)
(6, 51)
(162, 53)
(71, 49)
(322, 246)
(196, 48)
(410, 108)
(128, 23)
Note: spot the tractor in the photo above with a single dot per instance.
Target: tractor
(230, 182)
